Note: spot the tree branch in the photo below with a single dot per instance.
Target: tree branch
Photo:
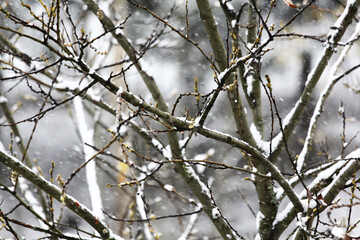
(70, 202)
(334, 36)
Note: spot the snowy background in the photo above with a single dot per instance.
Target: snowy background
(174, 64)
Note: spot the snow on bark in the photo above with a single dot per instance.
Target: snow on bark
(338, 232)
(65, 84)
(263, 145)
(215, 213)
(301, 223)
(3, 99)
(323, 175)
(283, 214)
(169, 188)
(345, 164)
(140, 206)
(48, 187)
(29, 196)
(259, 218)
(323, 96)
(192, 175)
(249, 70)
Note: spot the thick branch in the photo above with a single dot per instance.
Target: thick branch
(218, 48)
(70, 202)
(334, 37)
(187, 125)
(185, 171)
(333, 79)
(346, 168)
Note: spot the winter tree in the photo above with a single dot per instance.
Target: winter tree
(134, 119)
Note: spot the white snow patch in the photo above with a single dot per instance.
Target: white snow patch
(354, 154)
(91, 71)
(301, 222)
(119, 31)
(288, 117)
(123, 130)
(36, 65)
(259, 217)
(67, 84)
(280, 191)
(166, 152)
(140, 206)
(338, 232)
(169, 187)
(113, 236)
(183, 142)
(283, 214)
(233, 23)
(190, 171)
(156, 143)
(277, 139)
(265, 146)
(3, 99)
(197, 121)
(308, 204)
(249, 82)
(215, 213)
(334, 181)
(222, 74)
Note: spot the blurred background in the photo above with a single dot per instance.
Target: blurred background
(175, 64)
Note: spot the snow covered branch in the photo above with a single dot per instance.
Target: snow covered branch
(335, 35)
(46, 186)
